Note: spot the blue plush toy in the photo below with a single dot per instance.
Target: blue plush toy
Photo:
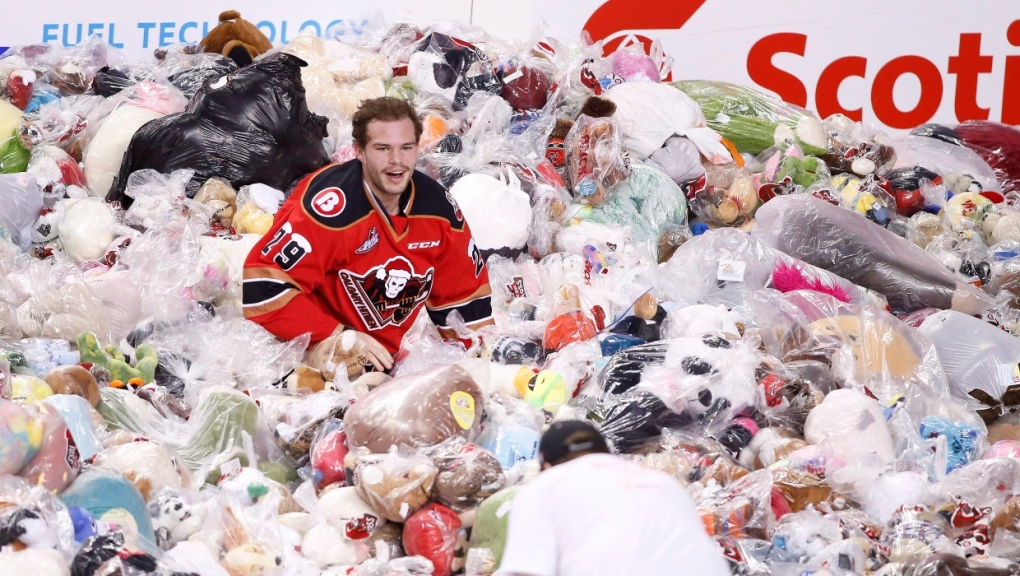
(962, 439)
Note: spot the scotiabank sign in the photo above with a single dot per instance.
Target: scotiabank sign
(894, 63)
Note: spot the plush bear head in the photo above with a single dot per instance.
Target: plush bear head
(394, 485)
(236, 38)
(467, 474)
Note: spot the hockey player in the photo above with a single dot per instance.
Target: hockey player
(365, 245)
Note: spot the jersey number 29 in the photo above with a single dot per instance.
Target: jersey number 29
(292, 252)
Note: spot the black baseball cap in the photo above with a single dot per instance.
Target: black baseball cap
(567, 439)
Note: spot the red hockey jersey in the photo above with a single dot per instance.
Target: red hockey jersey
(334, 256)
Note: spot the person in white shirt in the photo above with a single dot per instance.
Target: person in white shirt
(590, 513)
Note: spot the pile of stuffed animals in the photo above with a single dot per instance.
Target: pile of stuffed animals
(810, 324)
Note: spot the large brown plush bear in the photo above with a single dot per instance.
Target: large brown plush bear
(236, 38)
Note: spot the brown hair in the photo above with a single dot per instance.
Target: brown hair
(386, 109)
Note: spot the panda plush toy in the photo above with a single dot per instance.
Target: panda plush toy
(702, 383)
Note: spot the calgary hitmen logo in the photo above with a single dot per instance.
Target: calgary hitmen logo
(387, 294)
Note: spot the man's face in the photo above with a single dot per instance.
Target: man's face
(390, 155)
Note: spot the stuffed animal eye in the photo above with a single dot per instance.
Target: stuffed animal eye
(716, 342)
(696, 366)
(705, 397)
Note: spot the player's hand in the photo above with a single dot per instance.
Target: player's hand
(376, 353)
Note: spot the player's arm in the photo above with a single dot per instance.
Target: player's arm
(284, 268)
(461, 284)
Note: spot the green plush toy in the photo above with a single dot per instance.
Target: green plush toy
(113, 359)
(216, 429)
(13, 156)
(489, 533)
(802, 171)
(754, 121)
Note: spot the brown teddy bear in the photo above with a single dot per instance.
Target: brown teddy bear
(221, 199)
(416, 410)
(237, 39)
(467, 474)
(73, 380)
(394, 485)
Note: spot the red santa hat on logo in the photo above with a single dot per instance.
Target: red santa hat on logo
(395, 268)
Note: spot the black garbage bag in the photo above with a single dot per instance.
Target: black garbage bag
(247, 127)
(209, 67)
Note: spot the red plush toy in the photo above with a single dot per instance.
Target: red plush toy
(432, 532)
(19, 87)
(327, 457)
(526, 89)
(999, 145)
(570, 324)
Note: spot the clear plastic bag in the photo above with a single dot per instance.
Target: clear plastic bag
(156, 196)
(700, 384)
(857, 148)
(596, 158)
(64, 312)
(467, 474)
(57, 123)
(40, 509)
(754, 121)
(649, 203)
(433, 533)
(649, 113)
(112, 125)
(498, 212)
(944, 158)
(416, 410)
(854, 248)
(395, 484)
(980, 361)
(998, 144)
(723, 266)
(23, 200)
(422, 347)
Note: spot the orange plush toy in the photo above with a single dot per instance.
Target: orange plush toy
(236, 38)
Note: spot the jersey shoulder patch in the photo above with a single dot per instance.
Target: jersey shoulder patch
(335, 196)
(431, 199)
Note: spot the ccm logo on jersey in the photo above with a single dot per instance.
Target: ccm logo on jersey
(329, 202)
(420, 245)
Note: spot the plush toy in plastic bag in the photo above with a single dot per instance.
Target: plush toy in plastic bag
(596, 159)
(467, 474)
(420, 409)
(754, 121)
(432, 532)
(451, 68)
(23, 200)
(999, 145)
(980, 361)
(649, 203)
(13, 156)
(33, 520)
(846, 244)
(112, 125)
(498, 212)
(56, 123)
(723, 266)
(650, 113)
(396, 484)
(239, 129)
(701, 382)
(856, 148)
